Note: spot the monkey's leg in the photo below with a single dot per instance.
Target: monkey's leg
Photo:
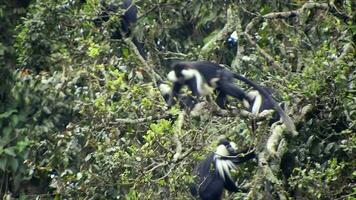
(192, 85)
(175, 91)
(234, 91)
(221, 100)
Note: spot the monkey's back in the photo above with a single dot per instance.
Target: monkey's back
(208, 69)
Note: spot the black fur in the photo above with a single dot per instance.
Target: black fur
(186, 102)
(129, 18)
(224, 85)
(268, 105)
(209, 71)
(209, 185)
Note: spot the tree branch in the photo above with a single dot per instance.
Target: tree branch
(269, 160)
(229, 27)
(268, 57)
(285, 15)
(149, 70)
(178, 132)
(136, 121)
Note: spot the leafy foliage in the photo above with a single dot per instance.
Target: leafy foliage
(80, 115)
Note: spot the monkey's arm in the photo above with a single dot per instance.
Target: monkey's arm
(247, 155)
(192, 85)
(175, 91)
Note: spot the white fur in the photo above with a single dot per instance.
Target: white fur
(221, 150)
(252, 94)
(172, 76)
(223, 166)
(213, 82)
(245, 103)
(203, 88)
(257, 104)
(165, 89)
(256, 96)
(234, 35)
(233, 145)
(189, 73)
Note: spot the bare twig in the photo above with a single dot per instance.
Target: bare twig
(165, 148)
(246, 114)
(131, 121)
(157, 166)
(167, 174)
(285, 15)
(160, 5)
(135, 121)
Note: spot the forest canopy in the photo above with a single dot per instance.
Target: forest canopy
(82, 116)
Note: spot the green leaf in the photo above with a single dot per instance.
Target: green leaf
(10, 151)
(125, 52)
(14, 164)
(14, 120)
(21, 145)
(93, 51)
(6, 131)
(3, 163)
(329, 147)
(2, 49)
(7, 114)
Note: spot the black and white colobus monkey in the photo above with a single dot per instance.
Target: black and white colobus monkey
(186, 102)
(204, 77)
(260, 104)
(213, 173)
(128, 18)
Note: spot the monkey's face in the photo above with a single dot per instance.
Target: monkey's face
(226, 148)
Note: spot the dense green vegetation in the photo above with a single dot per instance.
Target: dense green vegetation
(81, 116)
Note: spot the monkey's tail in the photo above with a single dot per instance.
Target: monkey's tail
(286, 119)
